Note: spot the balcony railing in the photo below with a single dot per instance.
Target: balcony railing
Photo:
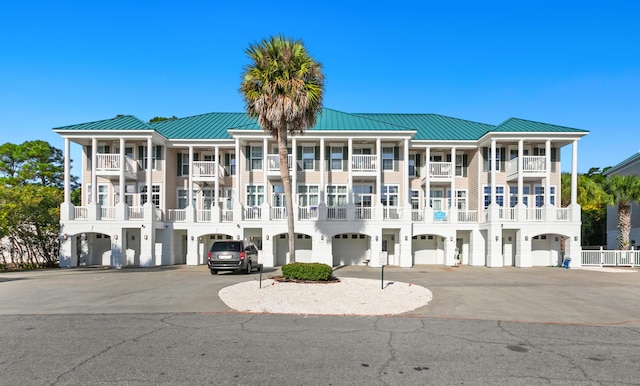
(392, 213)
(532, 165)
(273, 162)
(253, 213)
(440, 169)
(136, 213)
(177, 215)
(207, 170)
(80, 213)
(308, 213)
(468, 216)
(108, 212)
(417, 215)
(110, 164)
(336, 213)
(278, 213)
(364, 163)
(364, 213)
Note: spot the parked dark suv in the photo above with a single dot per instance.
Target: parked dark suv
(232, 255)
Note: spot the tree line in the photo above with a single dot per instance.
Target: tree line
(31, 191)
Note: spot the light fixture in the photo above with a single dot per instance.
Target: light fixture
(65, 236)
(146, 237)
(526, 238)
(115, 237)
(376, 238)
(321, 237)
(575, 238)
(267, 237)
(200, 238)
(192, 238)
(497, 237)
(451, 238)
(406, 238)
(237, 237)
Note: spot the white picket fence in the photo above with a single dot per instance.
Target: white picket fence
(611, 258)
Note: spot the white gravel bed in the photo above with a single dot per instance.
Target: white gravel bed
(350, 296)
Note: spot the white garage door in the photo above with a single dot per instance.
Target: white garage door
(350, 249)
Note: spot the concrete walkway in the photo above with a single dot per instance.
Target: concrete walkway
(541, 295)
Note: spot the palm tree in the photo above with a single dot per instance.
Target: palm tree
(282, 88)
(623, 190)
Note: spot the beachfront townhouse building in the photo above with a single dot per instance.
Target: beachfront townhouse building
(409, 188)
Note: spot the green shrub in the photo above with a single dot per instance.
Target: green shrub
(307, 271)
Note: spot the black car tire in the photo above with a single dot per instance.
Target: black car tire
(248, 271)
(213, 271)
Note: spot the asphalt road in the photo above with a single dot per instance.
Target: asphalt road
(167, 326)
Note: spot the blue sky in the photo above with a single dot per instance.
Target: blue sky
(571, 63)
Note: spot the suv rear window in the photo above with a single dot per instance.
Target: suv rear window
(226, 246)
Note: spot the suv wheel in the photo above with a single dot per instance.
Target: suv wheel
(248, 271)
(213, 271)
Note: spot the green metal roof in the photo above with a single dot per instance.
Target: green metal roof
(522, 125)
(435, 127)
(121, 122)
(424, 126)
(205, 126)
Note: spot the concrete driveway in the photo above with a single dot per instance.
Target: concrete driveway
(542, 295)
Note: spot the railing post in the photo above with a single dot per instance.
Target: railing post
(601, 256)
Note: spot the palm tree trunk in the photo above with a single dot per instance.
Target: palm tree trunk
(286, 182)
(624, 224)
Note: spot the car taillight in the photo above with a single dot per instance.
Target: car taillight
(241, 255)
(209, 255)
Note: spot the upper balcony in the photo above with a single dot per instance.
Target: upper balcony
(533, 167)
(438, 172)
(273, 164)
(109, 166)
(364, 165)
(207, 171)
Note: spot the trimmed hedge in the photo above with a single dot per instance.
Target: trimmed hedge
(307, 271)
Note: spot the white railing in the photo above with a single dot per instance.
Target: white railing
(136, 213)
(364, 213)
(616, 258)
(507, 214)
(111, 162)
(336, 213)
(107, 212)
(226, 215)
(253, 213)
(278, 213)
(440, 169)
(417, 215)
(177, 215)
(80, 213)
(535, 214)
(467, 216)
(308, 213)
(208, 169)
(273, 162)
(203, 215)
(392, 213)
(562, 214)
(363, 163)
(534, 164)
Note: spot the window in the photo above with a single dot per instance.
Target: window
(461, 199)
(437, 200)
(499, 160)
(387, 158)
(208, 198)
(389, 196)
(538, 192)
(255, 158)
(336, 158)
(103, 194)
(363, 195)
(182, 199)
(156, 155)
(230, 163)
(337, 195)
(307, 195)
(255, 195)
(513, 195)
(278, 196)
(461, 165)
(155, 194)
(499, 195)
(414, 164)
(308, 156)
(129, 193)
(183, 164)
(415, 199)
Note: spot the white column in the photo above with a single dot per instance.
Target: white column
(350, 171)
(574, 172)
(217, 182)
(428, 210)
(323, 165)
(294, 175)
(453, 208)
(239, 169)
(520, 207)
(94, 177)
(190, 183)
(123, 164)
(149, 170)
(547, 178)
(67, 171)
(493, 167)
(265, 163)
(405, 177)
